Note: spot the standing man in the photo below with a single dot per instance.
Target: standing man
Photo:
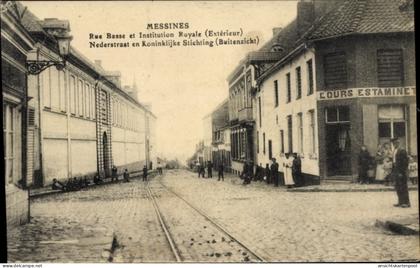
(114, 175)
(297, 170)
(399, 174)
(364, 160)
(145, 173)
(220, 172)
(209, 169)
(274, 172)
(126, 176)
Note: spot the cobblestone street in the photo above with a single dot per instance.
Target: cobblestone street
(117, 223)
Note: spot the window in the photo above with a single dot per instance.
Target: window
(289, 88)
(312, 131)
(390, 67)
(93, 102)
(282, 141)
(63, 91)
(270, 149)
(258, 142)
(46, 86)
(392, 123)
(80, 106)
(87, 100)
(290, 133)
(263, 143)
(340, 114)
(298, 83)
(54, 88)
(73, 95)
(8, 141)
(276, 93)
(259, 111)
(309, 69)
(335, 70)
(300, 132)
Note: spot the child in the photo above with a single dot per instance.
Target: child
(412, 170)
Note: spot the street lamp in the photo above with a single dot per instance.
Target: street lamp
(59, 30)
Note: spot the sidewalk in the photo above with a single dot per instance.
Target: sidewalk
(325, 186)
(44, 191)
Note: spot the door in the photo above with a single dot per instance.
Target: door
(338, 149)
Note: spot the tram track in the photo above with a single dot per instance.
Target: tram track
(253, 256)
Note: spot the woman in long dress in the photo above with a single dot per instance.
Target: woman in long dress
(380, 172)
(288, 178)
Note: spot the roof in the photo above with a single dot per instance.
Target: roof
(365, 17)
(32, 24)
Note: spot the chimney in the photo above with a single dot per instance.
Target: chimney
(54, 26)
(305, 15)
(276, 30)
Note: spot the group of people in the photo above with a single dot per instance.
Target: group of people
(201, 170)
(393, 167)
(292, 172)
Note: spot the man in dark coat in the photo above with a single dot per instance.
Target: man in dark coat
(209, 169)
(126, 176)
(364, 160)
(267, 173)
(145, 173)
(297, 170)
(399, 174)
(220, 172)
(274, 172)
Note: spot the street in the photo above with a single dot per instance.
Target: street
(257, 222)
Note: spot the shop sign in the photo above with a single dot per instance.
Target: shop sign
(371, 92)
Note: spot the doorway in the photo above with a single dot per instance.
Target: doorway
(338, 149)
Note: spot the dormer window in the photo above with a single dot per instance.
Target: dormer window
(277, 48)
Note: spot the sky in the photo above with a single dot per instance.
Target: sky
(182, 84)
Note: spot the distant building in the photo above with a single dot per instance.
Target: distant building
(207, 139)
(221, 136)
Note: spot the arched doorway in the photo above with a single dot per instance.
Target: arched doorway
(105, 154)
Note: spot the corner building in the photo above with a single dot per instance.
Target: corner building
(347, 80)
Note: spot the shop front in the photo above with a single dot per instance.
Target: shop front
(346, 122)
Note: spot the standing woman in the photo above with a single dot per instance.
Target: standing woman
(379, 158)
(288, 179)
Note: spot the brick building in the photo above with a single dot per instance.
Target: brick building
(347, 79)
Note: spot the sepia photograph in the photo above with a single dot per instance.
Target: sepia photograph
(279, 131)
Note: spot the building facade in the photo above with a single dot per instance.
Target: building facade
(338, 88)
(83, 113)
(221, 136)
(15, 46)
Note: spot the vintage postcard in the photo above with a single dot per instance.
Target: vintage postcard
(209, 131)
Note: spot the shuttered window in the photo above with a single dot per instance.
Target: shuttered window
(390, 68)
(335, 70)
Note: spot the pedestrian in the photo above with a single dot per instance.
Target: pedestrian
(202, 170)
(114, 175)
(267, 174)
(387, 165)
(126, 176)
(364, 160)
(274, 172)
(297, 170)
(220, 172)
(198, 167)
(145, 173)
(97, 179)
(413, 170)
(57, 185)
(288, 177)
(379, 159)
(209, 169)
(399, 174)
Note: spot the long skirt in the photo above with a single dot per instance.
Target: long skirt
(288, 178)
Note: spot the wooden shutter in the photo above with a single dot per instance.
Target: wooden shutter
(335, 68)
(390, 68)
